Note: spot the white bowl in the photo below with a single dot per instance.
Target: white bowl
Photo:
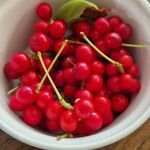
(16, 20)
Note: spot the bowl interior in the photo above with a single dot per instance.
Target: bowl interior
(16, 24)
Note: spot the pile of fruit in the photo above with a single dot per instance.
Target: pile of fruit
(77, 78)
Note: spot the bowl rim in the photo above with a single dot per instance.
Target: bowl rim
(92, 145)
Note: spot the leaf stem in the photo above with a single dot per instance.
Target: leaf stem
(62, 101)
(134, 45)
(13, 89)
(117, 64)
(51, 66)
(75, 42)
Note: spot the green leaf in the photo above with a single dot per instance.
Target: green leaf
(73, 9)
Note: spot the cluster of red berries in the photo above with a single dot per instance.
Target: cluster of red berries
(94, 87)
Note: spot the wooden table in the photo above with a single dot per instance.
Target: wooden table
(139, 140)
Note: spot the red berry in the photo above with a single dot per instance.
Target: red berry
(53, 125)
(68, 76)
(32, 115)
(111, 70)
(83, 108)
(41, 27)
(94, 83)
(113, 84)
(81, 71)
(97, 67)
(84, 54)
(105, 92)
(25, 95)
(112, 40)
(66, 50)
(134, 71)
(59, 78)
(68, 61)
(107, 118)
(84, 94)
(44, 11)
(94, 122)
(9, 72)
(114, 21)
(69, 90)
(126, 61)
(95, 35)
(119, 103)
(136, 86)
(126, 81)
(43, 99)
(102, 104)
(15, 105)
(102, 25)
(30, 77)
(124, 30)
(82, 26)
(20, 62)
(39, 42)
(57, 29)
(68, 121)
(54, 110)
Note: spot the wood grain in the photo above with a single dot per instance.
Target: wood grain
(139, 140)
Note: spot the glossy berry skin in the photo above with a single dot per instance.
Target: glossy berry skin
(41, 27)
(43, 99)
(97, 67)
(95, 35)
(25, 95)
(114, 21)
(69, 61)
(81, 71)
(111, 70)
(69, 90)
(112, 40)
(20, 62)
(84, 54)
(32, 115)
(136, 86)
(84, 94)
(44, 11)
(15, 105)
(102, 104)
(68, 76)
(39, 42)
(119, 103)
(9, 72)
(82, 26)
(59, 81)
(29, 77)
(126, 81)
(107, 118)
(102, 25)
(68, 121)
(124, 30)
(113, 84)
(57, 29)
(134, 71)
(54, 110)
(94, 83)
(126, 61)
(53, 125)
(94, 122)
(66, 50)
(105, 92)
(83, 108)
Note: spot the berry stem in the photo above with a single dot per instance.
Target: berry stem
(51, 66)
(61, 99)
(75, 42)
(13, 89)
(134, 45)
(68, 59)
(66, 135)
(117, 64)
